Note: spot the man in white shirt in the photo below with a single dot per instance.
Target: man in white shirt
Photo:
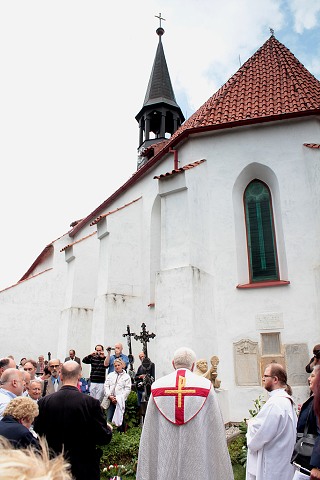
(12, 383)
(272, 432)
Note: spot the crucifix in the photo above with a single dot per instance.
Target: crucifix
(160, 18)
(144, 338)
(129, 335)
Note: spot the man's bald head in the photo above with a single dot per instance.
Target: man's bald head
(13, 381)
(70, 373)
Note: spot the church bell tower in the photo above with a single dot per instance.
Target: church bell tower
(160, 115)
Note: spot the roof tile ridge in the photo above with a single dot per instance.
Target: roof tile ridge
(301, 87)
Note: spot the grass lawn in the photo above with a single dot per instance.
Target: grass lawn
(238, 472)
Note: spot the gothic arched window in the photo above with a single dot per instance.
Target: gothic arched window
(262, 251)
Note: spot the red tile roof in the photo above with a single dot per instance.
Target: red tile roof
(46, 253)
(77, 241)
(97, 220)
(180, 170)
(312, 145)
(271, 85)
(272, 82)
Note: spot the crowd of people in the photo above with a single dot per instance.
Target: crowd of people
(43, 408)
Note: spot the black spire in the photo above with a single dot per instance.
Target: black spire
(160, 114)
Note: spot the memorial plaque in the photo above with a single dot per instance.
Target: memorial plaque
(296, 359)
(246, 362)
(269, 321)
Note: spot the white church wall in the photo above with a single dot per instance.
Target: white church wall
(280, 147)
(84, 272)
(184, 316)
(182, 246)
(30, 314)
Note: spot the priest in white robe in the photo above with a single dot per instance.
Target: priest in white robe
(183, 435)
(271, 433)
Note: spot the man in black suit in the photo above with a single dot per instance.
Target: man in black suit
(74, 423)
(72, 356)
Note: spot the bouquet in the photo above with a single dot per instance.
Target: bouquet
(117, 471)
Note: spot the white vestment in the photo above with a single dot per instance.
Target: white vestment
(270, 438)
(183, 435)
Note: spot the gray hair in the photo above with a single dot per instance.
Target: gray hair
(184, 357)
(36, 380)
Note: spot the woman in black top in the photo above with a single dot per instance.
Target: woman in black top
(17, 420)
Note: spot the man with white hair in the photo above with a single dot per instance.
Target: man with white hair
(183, 434)
(12, 383)
(109, 360)
(35, 390)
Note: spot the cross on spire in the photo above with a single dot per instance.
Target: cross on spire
(144, 337)
(160, 18)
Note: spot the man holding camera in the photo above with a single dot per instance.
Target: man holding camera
(315, 360)
(146, 368)
(98, 371)
(109, 360)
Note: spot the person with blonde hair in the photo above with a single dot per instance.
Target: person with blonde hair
(116, 389)
(29, 464)
(17, 420)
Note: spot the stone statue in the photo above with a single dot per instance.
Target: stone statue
(201, 367)
(212, 373)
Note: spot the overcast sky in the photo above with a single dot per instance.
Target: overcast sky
(73, 76)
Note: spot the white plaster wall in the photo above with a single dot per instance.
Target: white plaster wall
(30, 313)
(201, 257)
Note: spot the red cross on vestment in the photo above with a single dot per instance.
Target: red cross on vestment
(180, 391)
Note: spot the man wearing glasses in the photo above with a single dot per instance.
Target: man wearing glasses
(54, 383)
(271, 433)
(98, 372)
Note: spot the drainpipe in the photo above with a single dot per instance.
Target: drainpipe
(175, 158)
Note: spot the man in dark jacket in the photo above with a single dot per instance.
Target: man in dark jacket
(74, 423)
(72, 356)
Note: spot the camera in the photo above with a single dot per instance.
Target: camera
(316, 353)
